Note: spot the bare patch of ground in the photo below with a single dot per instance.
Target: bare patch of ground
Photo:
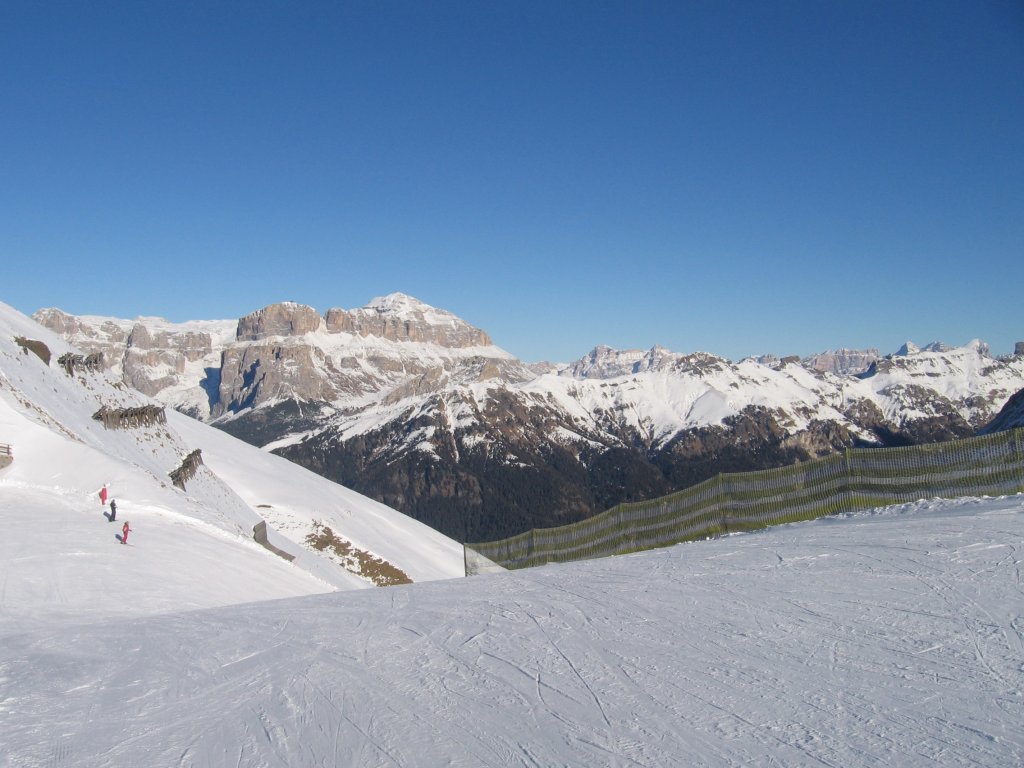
(375, 569)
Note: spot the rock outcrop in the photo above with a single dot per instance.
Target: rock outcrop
(148, 354)
(284, 319)
(260, 374)
(842, 361)
(401, 318)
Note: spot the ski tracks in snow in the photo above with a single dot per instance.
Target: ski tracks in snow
(891, 640)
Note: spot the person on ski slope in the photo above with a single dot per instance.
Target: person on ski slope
(103, 495)
(113, 510)
(125, 530)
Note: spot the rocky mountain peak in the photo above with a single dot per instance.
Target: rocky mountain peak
(604, 362)
(980, 347)
(96, 329)
(402, 318)
(842, 361)
(399, 304)
(57, 320)
(283, 319)
(910, 349)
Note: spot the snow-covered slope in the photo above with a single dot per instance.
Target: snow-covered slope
(190, 548)
(290, 498)
(886, 638)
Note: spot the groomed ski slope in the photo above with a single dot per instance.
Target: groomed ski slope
(885, 638)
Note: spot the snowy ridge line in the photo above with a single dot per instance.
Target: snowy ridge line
(846, 482)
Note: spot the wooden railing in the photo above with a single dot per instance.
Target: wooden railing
(5, 450)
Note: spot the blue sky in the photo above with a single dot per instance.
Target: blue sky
(734, 177)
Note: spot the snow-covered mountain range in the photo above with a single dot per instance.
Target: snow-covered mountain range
(63, 454)
(888, 637)
(413, 406)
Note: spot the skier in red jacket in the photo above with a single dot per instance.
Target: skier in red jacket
(103, 495)
(124, 532)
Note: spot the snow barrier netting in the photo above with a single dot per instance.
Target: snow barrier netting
(857, 479)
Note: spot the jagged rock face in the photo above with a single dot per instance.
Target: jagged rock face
(321, 371)
(285, 319)
(403, 319)
(101, 333)
(189, 345)
(171, 362)
(148, 353)
(843, 361)
(255, 374)
(606, 363)
(287, 350)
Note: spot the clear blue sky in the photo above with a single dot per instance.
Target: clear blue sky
(735, 177)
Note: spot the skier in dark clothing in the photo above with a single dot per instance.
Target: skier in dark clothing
(113, 510)
(124, 532)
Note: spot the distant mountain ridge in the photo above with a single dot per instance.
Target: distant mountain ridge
(416, 408)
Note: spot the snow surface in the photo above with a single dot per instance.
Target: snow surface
(404, 306)
(663, 403)
(291, 497)
(885, 638)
